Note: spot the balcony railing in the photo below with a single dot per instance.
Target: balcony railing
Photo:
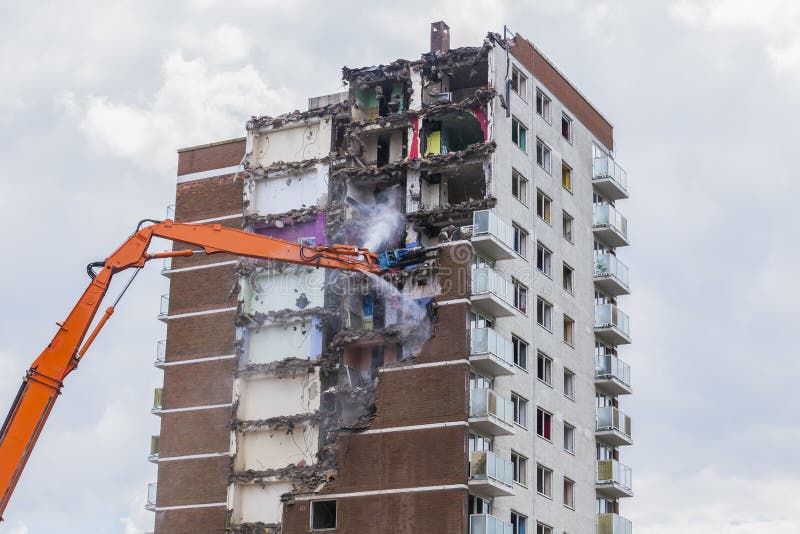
(158, 399)
(612, 474)
(609, 271)
(610, 419)
(490, 412)
(492, 235)
(609, 367)
(486, 342)
(155, 448)
(166, 265)
(613, 524)
(606, 169)
(163, 309)
(485, 465)
(491, 292)
(151, 496)
(161, 352)
(488, 524)
(171, 212)
(610, 225)
(612, 324)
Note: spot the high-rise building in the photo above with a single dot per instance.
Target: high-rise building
(474, 391)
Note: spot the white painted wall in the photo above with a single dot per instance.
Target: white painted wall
(279, 194)
(274, 449)
(272, 290)
(253, 503)
(298, 142)
(265, 397)
(269, 343)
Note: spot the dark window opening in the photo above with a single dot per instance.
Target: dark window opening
(383, 150)
(323, 515)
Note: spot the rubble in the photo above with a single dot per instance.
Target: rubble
(265, 121)
(255, 528)
(281, 220)
(289, 367)
(289, 422)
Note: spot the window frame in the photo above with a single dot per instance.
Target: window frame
(570, 123)
(545, 266)
(567, 218)
(546, 369)
(546, 481)
(571, 394)
(515, 527)
(520, 405)
(547, 306)
(521, 76)
(521, 239)
(566, 170)
(547, 156)
(544, 415)
(312, 528)
(521, 183)
(568, 482)
(520, 465)
(544, 202)
(566, 267)
(546, 111)
(520, 296)
(568, 325)
(517, 342)
(568, 429)
(518, 128)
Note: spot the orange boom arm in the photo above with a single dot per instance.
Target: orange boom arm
(44, 380)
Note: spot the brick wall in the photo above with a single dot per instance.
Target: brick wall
(205, 520)
(214, 156)
(201, 336)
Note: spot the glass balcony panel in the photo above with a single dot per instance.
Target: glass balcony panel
(151, 496)
(610, 226)
(613, 524)
(488, 524)
(609, 316)
(163, 310)
(613, 472)
(605, 168)
(610, 367)
(488, 341)
(608, 265)
(161, 351)
(155, 445)
(610, 418)
(487, 403)
(487, 465)
(158, 397)
(486, 223)
(487, 280)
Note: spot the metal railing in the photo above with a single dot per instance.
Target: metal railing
(609, 367)
(607, 215)
(155, 445)
(604, 167)
(486, 465)
(161, 351)
(152, 490)
(606, 265)
(488, 524)
(171, 212)
(609, 316)
(158, 398)
(610, 418)
(163, 309)
(487, 403)
(613, 524)
(613, 472)
(487, 341)
(487, 280)
(486, 222)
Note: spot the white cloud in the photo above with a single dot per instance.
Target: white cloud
(193, 104)
(775, 23)
(708, 501)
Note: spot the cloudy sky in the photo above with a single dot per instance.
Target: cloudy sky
(96, 96)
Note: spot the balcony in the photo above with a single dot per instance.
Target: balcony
(613, 524)
(490, 414)
(614, 479)
(609, 178)
(613, 427)
(490, 475)
(161, 353)
(155, 449)
(611, 275)
(488, 524)
(491, 293)
(609, 226)
(492, 237)
(158, 398)
(491, 354)
(166, 266)
(171, 212)
(612, 375)
(163, 310)
(151, 497)
(611, 324)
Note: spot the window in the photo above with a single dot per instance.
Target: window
(520, 468)
(477, 505)
(519, 186)
(323, 515)
(543, 424)
(520, 241)
(520, 296)
(566, 176)
(519, 83)
(519, 134)
(478, 443)
(566, 275)
(543, 529)
(478, 381)
(569, 331)
(520, 410)
(543, 153)
(544, 313)
(544, 368)
(478, 320)
(543, 105)
(518, 523)
(543, 259)
(569, 384)
(569, 493)
(566, 222)
(544, 481)
(569, 438)
(543, 206)
(566, 127)
(520, 352)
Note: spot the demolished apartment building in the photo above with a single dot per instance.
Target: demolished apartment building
(298, 399)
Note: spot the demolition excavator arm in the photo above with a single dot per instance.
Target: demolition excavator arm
(43, 382)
